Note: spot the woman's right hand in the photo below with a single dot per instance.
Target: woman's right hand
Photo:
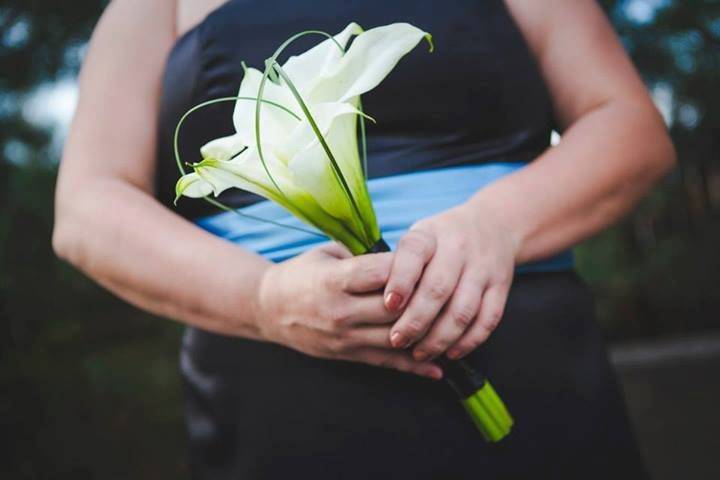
(328, 304)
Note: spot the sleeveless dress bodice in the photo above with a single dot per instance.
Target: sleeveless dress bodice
(257, 410)
(477, 98)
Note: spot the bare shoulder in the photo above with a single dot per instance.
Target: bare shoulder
(540, 21)
(579, 54)
(112, 131)
(192, 12)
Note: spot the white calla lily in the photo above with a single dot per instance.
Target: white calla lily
(223, 148)
(371, 57)
(308, 161)
(276, 123)
(307, 69)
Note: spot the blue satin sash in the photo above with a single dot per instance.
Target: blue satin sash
(399, 201)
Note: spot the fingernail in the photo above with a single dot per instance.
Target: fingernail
(436, 374)
(393, 300)
(397, 340)
(420, 356)
(453, 354)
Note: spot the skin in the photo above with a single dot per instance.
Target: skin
(444, 288)
(452, 272)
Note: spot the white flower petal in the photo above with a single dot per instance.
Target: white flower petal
(303, 135)
(275, 123)
(370, 58)
(305, 69)
(191, 185)
(223, 148)
(245, 172)
(313, 171)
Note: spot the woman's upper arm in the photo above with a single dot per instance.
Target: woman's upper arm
(113, 131)
(581, 59)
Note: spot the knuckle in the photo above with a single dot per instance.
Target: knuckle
(420, 225)
(402, 367)
(493, 320)
(336, 317)
(478, 283)
(467, 346)
(429, 239)
(386, 362)
(332, 280)
(414, 328)
(503, 278)
(479, 336)
(414, 243)
(336, 346)
(353, 269)
(438, 289)
(436, 347)
(460, 243)
(375, 274)
(462, 317)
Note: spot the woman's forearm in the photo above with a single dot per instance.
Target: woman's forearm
(106, 222)
(614, 145)
(128, 242)
(604, 163)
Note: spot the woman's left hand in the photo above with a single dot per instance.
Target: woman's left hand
(451, 274)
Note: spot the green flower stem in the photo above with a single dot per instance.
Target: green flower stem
(482, 419)
(375, 232)
(497, 405)
(488, 413)
(363, 139)
(336, 168)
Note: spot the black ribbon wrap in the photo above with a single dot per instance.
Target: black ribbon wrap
(379, 247)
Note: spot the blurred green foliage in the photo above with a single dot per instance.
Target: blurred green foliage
(658, 271)
(89, 386)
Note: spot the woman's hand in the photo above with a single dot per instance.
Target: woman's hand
(450, 278)
(328, 304)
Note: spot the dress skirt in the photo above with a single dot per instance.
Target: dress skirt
(261, 411)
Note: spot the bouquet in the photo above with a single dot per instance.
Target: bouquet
(296, 144)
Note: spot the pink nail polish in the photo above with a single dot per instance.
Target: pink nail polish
(397, 340)
(393, 300)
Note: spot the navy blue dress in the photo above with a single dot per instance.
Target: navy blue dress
(261, 411)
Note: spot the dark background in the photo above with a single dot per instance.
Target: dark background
(89, 386)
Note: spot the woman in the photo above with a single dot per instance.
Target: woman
(267, 392)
